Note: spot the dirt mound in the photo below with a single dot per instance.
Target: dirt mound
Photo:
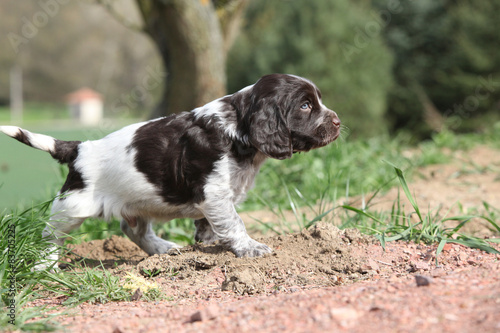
(460, 294)
(321, 256)
(115, 249)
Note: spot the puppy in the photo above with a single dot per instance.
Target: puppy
(197, 164)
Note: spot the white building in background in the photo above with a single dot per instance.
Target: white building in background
(85, 106)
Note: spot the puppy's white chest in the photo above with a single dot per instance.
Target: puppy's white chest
(243, 180)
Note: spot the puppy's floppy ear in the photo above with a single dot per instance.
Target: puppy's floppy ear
(268, 130)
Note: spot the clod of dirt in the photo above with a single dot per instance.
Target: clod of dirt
(321, 255)
(243, 281)
(422, 281)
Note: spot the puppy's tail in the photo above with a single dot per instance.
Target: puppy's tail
(63, 151)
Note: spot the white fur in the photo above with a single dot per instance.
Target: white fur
(211, 112)
(39, 141)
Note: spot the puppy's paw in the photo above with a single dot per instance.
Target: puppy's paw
(50, 260)
(251, 248)
(50, 267)
(156, 245)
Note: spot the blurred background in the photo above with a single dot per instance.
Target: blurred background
(80, 69)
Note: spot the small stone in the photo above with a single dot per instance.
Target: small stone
(197, 316)
(372, 264)
(422, 280)
(208, 313)
(137, 295)
(211, 312)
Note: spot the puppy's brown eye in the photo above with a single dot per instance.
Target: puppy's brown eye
(305, 106)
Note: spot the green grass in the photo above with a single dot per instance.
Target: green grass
(93, 285)
(401, 225)
(22, 247)
(36, 113)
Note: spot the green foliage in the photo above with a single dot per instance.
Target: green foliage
(445, 62)
(37, 113)
(28, 319)
(90, 285)
(317, 40)
(179, 231)
(22, 244)
(95, 229)
(22, 248)
(399, 225)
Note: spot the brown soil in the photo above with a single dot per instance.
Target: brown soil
(320, 256)
(316, 280)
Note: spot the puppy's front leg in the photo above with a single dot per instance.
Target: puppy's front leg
(228, 227)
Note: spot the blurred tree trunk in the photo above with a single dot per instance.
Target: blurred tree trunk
(193, 37)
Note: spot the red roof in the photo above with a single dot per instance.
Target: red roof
(82, 95)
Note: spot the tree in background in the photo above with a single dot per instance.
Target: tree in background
(193, 37)
(447, 67)
(337, 44)
(469, 91)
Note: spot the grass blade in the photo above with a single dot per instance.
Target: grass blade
(406, 189)
(362, 212)
(474, 243)
(319, 217)
(440, 248)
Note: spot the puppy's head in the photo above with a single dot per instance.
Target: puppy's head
(284, 114)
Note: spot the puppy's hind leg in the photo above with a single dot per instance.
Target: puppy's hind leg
(204, 232)
(140, 231)
(61, 223)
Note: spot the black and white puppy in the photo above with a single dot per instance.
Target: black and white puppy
(197, 164)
